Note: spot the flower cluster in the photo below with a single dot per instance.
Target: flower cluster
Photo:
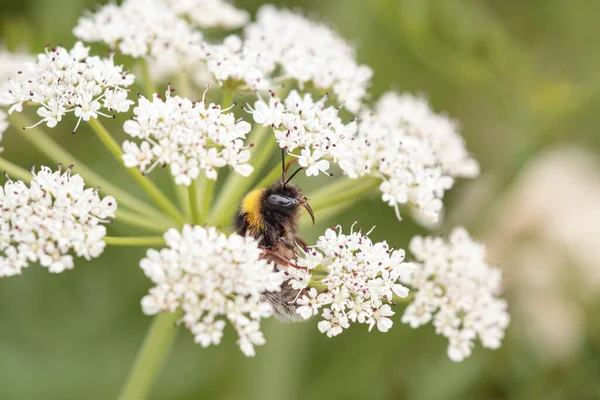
(303, 50)
(47, 220)
(187, 136)
(416, 152)
(456, 290)
(211, 276)
(209, 13)
(361, 278)
(63, 81)
(301, 123)
(144, 29)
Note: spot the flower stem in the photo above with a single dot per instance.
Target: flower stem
(271, 177)
(342, 190)
(141, 221)
(183, 198)
(141, 241)
(205, 193)
(58, 154)
(194, 202)
(151, 356)
(149, 87)
(14, 171)
(226, 98)
(154, 192)
(236, 186)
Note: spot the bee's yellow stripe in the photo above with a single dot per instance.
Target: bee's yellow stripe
(252, 208)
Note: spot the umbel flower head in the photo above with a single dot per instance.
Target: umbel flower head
(356, 281)
(63, 81)
(456, 290)
(49, 220)
(309, 127)
(211, 277)
(416, 153)
(305, 51)
(189, 137)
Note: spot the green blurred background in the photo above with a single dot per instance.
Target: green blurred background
(520, 76)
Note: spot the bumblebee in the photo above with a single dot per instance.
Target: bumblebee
(271, 216)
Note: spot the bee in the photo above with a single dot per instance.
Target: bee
(271, 216)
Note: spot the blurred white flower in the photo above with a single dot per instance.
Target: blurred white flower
(49, 220)
(211, 276)
(457, 291)
(189, 137)
(3, 125)
(301, 123)
(149, 29)
(209, 13)
(415, 152)
(361, 278)
(63, 81)
(303, 50)
(547, 238)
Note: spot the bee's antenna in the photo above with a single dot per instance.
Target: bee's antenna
(293, 175)
(283, 169)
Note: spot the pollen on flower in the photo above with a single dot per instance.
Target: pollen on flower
(50, 220)
(63, 81)
(457, 291)
(361, 279)
(300, 123)
(212, 278)
(416, 152)
(188, 137)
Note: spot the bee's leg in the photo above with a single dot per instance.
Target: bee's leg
(301, 243)
(271, 255)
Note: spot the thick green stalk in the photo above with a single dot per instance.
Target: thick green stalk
(151, 356)
(14, 171)
(183, 199)
(272, 176)
(48, 146)
(140, 241)
(154, 192)
(342, 190)
(205, 193)
(141, 221)
(236, 186)
(194, 202)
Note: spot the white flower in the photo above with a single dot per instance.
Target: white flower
(49, 221)
(211, 277)
(209, 13)
(63, 81)
(189, 137)
(458, 292)
(149, 29)
(288, 45)
(416, 152)
(301, 123)
(361, 280)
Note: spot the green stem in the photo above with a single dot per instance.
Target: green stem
(206, 192)
(236, 186)
(154, 192)
(151, 356)
(149, 87)
(194, 202)
(342, 190)
(183, 199)
(14, 171)
(142, 241)
(141, 221)
(226, 98)
(48, 146)
(272, 176)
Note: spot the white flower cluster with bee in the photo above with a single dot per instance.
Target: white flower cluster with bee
(212, 278)
(49, 220)
(63, 81)
(306, 51)
(359, 282)
(315, 129)
(416, 152)
(189, 137)
(457, 291)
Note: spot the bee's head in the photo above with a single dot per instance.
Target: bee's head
(284, 199)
